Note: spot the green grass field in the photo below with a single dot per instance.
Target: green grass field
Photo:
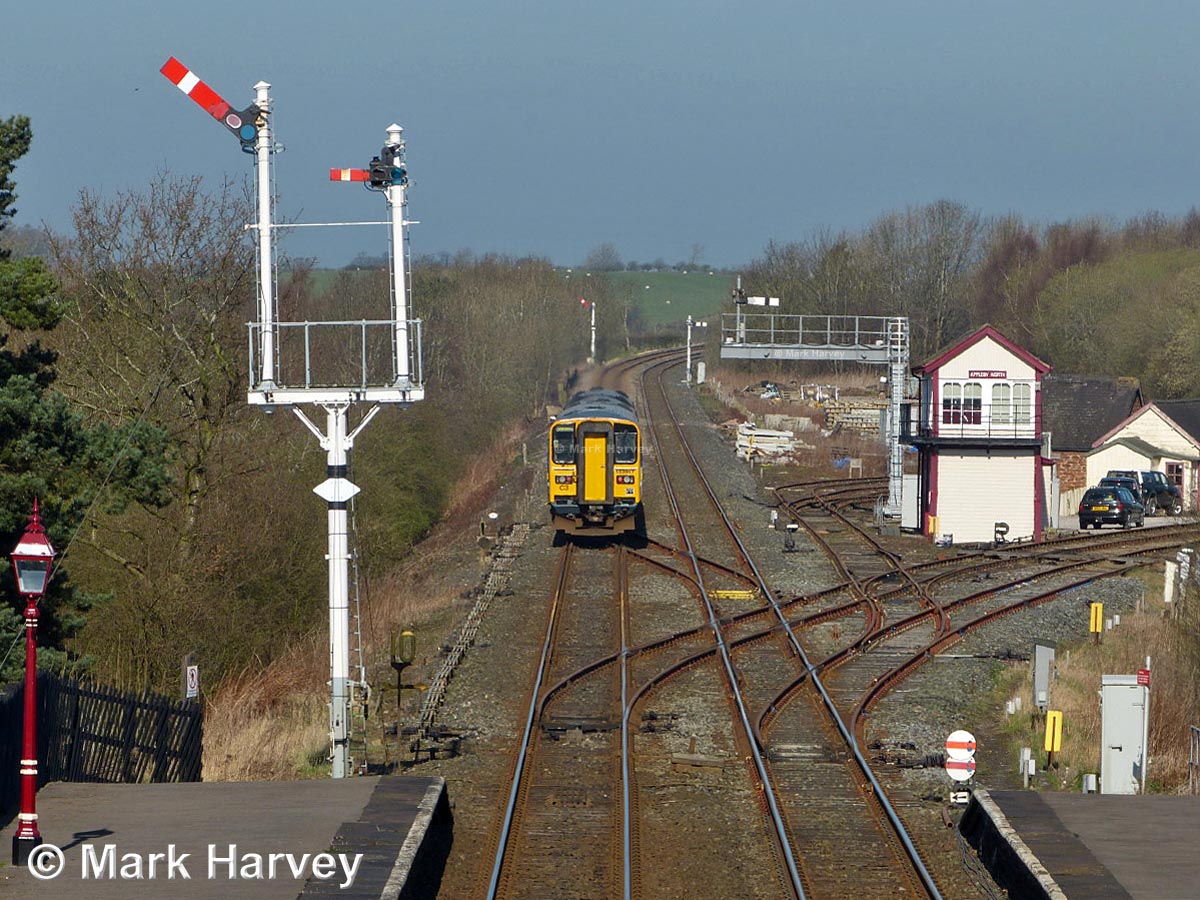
(666, 297)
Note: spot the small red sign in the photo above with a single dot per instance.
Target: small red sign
(1144, 677)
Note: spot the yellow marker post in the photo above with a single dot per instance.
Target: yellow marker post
(1054, 730)
(1096, 622)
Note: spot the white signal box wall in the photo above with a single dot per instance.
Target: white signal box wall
(1124, 726)
(1043, 667)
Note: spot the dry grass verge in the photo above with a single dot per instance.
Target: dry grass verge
(269, 724)
(273, 723)
(1170, 638)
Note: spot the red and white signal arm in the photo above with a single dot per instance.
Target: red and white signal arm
(960, 769)
(960, 745)
(349, 175)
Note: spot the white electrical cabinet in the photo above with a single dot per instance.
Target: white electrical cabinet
(1124, 725)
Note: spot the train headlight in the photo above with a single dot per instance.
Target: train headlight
(624, 479)
(564, 479)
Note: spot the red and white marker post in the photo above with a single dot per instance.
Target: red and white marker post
(960, 755)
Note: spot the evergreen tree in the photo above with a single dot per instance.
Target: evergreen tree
(47, 450)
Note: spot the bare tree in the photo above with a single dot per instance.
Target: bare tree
(920, 263)
(158, 286)
(604, 258)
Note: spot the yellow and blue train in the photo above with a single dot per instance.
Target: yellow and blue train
(595, 470)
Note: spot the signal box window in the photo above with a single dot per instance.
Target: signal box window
(624, 444)
(1001, 403)
(951, 403)
(972, 403)
(1022, 404)
(563, 444)
(962, 404)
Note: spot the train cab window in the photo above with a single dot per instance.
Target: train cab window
(624, 444)
(563, 444)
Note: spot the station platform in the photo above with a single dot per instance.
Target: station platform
(1087, 846)
(374, 837)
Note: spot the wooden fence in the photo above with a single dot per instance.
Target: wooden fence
(90, 732)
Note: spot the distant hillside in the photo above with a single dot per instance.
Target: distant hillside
(663, 297)
(666, 297)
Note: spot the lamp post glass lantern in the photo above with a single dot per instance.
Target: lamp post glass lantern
(31, 559)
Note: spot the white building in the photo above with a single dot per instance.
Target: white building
(1164, 437)
(982, 471)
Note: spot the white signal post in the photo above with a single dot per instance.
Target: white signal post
(690, 322)
(591, 304)
(397, 200)
(266, 255)
(270, 388)
(337, 490)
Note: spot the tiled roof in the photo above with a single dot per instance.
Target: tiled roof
(1184, 413)
(1077, 410)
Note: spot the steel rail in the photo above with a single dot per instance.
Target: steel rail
(547, 644)
(893, 559)
(879, 793)
(947, 636)
(1155, 544)
(626, 743)
(727, 663)
(885, 682)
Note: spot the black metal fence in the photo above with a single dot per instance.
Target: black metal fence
(90, 732)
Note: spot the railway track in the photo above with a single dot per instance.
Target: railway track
(692, 731)
(831, 826)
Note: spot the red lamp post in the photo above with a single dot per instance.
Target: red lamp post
(31, 563)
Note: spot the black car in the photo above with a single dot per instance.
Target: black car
(1110, 504)
(1129, 483)
(1158, 493)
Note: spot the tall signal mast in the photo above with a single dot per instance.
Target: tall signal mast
(295, 363)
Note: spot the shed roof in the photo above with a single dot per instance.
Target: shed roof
(1145, 448)
(1184, 413)
(1077, 409)
(1151, 409)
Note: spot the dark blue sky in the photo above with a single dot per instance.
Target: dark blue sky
(549, 127)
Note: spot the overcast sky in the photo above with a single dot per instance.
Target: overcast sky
(547, 128)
